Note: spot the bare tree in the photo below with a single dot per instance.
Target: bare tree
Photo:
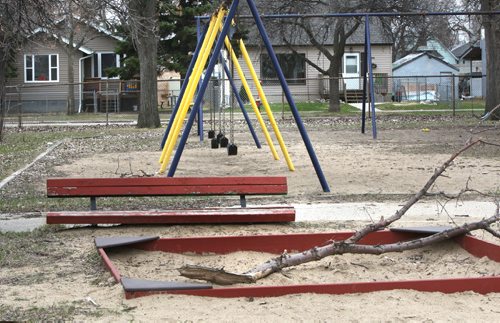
(491, 25)
(17, 20)
(140, 19)
(328, 35)
(469, 27)
(73, 28)
(407, 33)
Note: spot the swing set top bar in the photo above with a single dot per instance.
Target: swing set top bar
(365, 14)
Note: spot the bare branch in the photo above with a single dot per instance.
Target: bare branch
(489, 228)
(437, 173)
(486, 117)
(219, 276)
(351, 244)
(493, 232)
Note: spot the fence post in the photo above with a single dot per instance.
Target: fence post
(107, 100)
(453, 98)
(282, 105)
(19, 103)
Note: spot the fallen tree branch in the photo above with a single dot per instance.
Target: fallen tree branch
(493, 232)
(383, 223)
(219, 276)
(484, 118)
(350, 245)
(490, 229)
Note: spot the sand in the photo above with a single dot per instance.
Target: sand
(356, 168)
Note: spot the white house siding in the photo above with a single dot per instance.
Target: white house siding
(382, 57)
(464, 66)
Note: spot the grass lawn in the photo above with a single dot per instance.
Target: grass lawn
(308, 107)
(303, 107)
(445, 106)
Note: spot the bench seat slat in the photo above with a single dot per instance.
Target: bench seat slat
(168, 181)
(100, 191)
(213, 215)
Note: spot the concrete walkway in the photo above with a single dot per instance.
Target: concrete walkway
(363, 212)
(359, 106)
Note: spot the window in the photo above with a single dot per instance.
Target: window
(102, 61)
(41, 68)
(293, 66)
(351, 63)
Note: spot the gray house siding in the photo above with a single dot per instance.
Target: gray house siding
(311, 89)
(101, 43)
(51, 96)
(41, 96)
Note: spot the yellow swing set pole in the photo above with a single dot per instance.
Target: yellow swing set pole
(265, 103)
(189, 87)
(190, 91)
(250, 98)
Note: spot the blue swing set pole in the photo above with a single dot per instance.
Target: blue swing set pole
(289, 97)
(200, 110)
(370, 67)
(369, 14)
(183, 87)
(240, 103)
(203, 87)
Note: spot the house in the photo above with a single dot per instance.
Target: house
(306, 82)
(437, 48)
(41, 83)
(470, 67)
(424, 77)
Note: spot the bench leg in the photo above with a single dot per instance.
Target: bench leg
(93, 203)
(243, 201)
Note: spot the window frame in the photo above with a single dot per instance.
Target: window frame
(98, 63)
(49, 75)
(272, 81)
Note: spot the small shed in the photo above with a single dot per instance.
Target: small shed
(424, 77)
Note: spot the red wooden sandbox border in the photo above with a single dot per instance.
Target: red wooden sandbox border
(277, 243)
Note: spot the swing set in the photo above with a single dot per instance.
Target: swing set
(221, 21)
(197, 79)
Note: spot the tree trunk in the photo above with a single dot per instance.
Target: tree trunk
(492, 38)
(144, 23)
(334, 95)
(334, 72)
(148, 113)
(3, 78)
(70, 52)
(70, 106)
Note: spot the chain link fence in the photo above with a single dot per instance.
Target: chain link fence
(123, 97)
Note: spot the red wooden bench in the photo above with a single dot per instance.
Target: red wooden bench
(169, 186)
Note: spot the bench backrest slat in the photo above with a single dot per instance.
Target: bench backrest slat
(151, 186)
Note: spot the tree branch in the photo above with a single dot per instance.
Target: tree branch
(382, 223)
(308, 61)
(351, 244)
(219, 276)
(493, 232)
